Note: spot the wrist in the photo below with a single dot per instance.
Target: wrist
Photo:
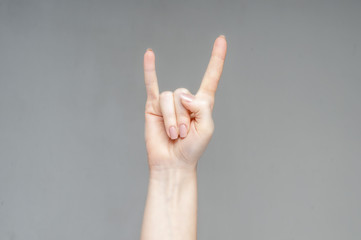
(172, 165)
(175, 175)
(171, 208)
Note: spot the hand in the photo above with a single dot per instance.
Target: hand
(179, 125)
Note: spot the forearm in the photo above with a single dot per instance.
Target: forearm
(171, 207)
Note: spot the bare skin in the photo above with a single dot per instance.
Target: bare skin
(178, 128)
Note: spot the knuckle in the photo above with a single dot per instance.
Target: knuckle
(211, 105)
(183, 119)
(210, 102)
(205, 104)
(166, 94)
(181, 90)
(169, 121)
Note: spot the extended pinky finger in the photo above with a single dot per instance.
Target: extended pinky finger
(150, 76)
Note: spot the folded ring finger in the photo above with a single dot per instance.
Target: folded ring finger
(183, 115)
(168, 111)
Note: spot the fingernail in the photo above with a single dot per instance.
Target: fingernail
(222, 36)
(149, 49)
(173, 132)
(187, 97)
(183, 130)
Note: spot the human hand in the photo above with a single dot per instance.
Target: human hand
(179, 125)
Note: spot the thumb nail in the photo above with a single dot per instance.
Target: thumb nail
(187, 97)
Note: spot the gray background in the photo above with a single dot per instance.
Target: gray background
(285, 158)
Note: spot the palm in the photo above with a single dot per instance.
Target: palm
(161, 149)
(181, 152)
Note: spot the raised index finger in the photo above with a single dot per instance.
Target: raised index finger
(150, 76)
(215, 67)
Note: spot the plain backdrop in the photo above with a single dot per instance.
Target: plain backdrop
(285, 158)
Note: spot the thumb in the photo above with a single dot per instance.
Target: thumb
(201, 110)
